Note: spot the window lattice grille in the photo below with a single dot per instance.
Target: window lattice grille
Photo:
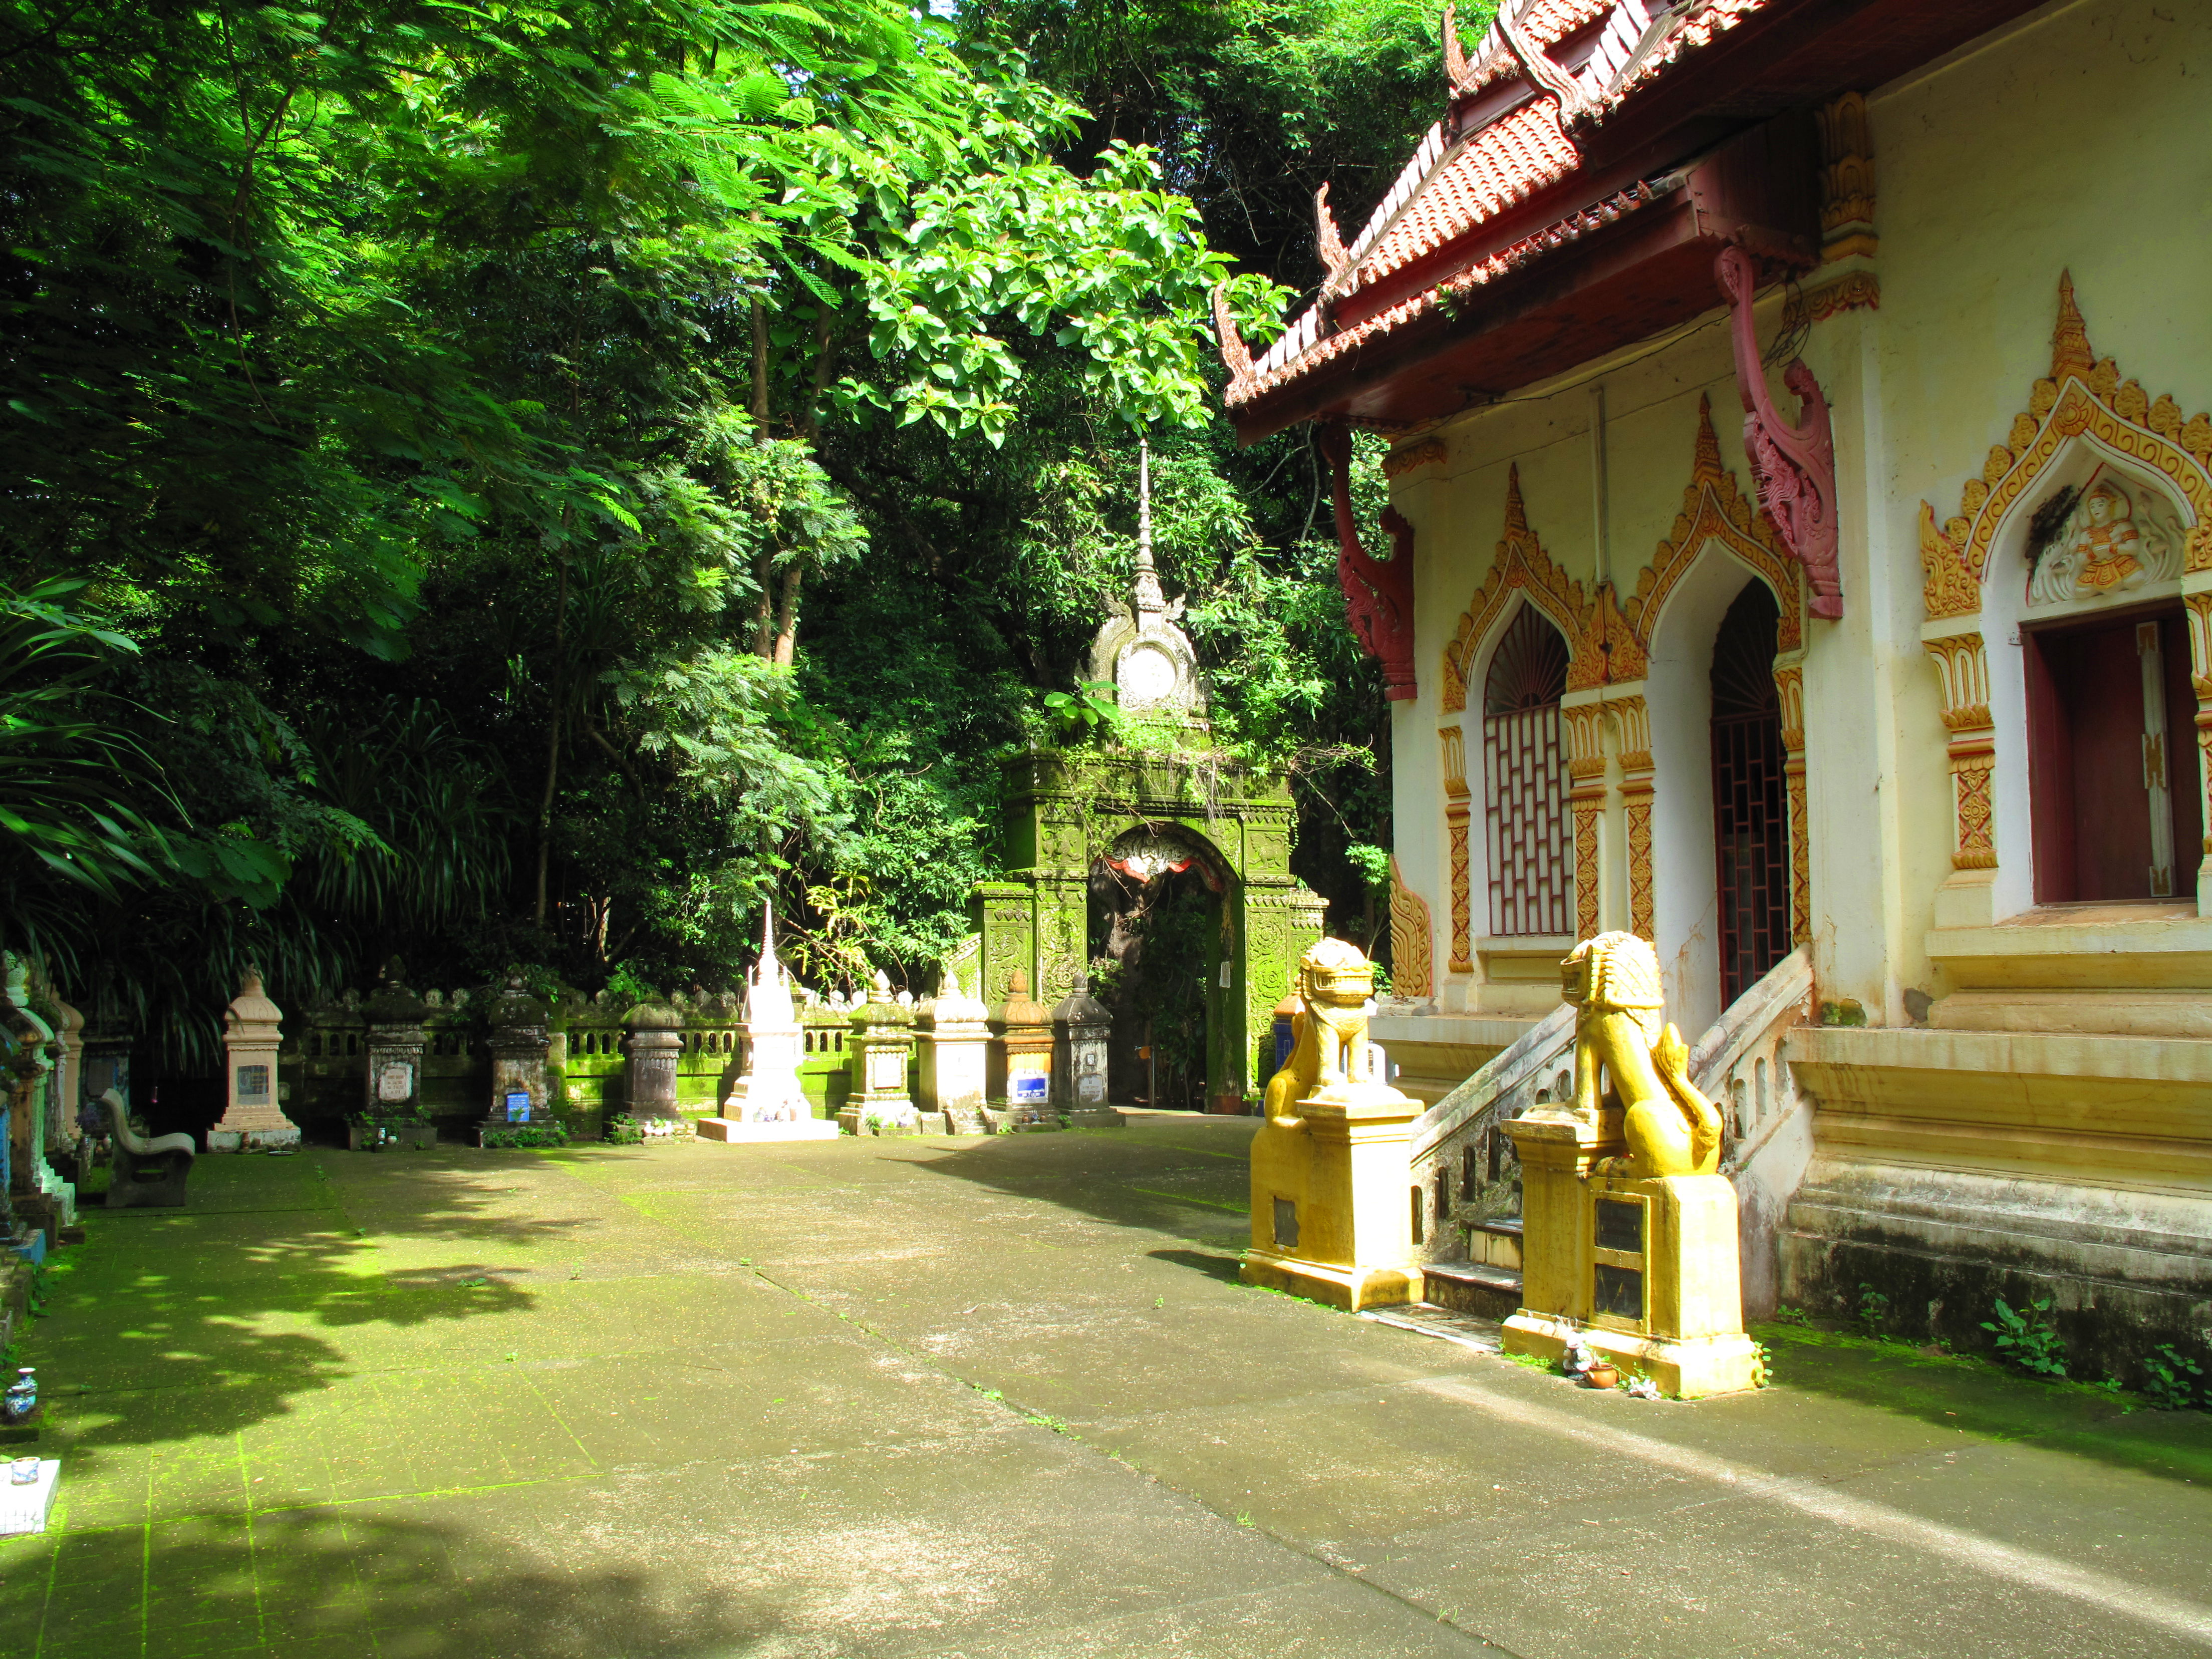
(1530, 834)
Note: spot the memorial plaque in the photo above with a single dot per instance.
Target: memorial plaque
(1286, 1223)
(1028, 1087)
(517, 1106)
(396, 1082)
(1618, 1292)
(887, 1072)
(254, 1086)
(1620, 1226)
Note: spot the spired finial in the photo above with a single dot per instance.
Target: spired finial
(767, 972)
(2069, 341)
(1149, 599)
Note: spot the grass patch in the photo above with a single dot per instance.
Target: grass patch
(1989, 1401)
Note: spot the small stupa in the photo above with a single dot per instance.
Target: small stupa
(1140, 651)
(767, 1102)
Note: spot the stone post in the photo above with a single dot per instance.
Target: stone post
(656, 1034)
(253, 1030)
(391, 1087)
(66, 1092)
(37, 1195)
(1081, 1028)
(1023, 1029)
(956, 1041)
(882, 1041)
(521, 1040)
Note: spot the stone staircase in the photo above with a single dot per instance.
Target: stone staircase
(1467, 1179)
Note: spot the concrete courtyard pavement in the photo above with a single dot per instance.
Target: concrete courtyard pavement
(989, 1399)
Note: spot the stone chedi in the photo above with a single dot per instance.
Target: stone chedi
(1330, 1215)
(521, 1041)
(767, 1102)
(1140, 652)
(253, 1030)
(1630, 1239)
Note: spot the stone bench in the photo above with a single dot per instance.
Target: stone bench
(145, 1172)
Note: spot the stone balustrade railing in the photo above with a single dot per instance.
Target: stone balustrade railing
(1464, 1171)
(1465, 1175)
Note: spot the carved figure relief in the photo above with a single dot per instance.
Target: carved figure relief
(2120, 535)
(1379, 593)
(1612, 983)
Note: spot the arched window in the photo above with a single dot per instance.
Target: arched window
(1524, 769)
(1751, 817)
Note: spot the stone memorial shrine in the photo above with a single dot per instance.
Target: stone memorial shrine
(880, 1047)
(252, 1033)
(767, 1101)
(1630, 1239)
(955, 1036)
(1329, 1215)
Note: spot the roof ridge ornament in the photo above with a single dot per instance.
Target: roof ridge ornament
(1456, 69)
(1794, 461)
(1537, 65)
(1334, 256)
(1235, 355)
(1379, 594)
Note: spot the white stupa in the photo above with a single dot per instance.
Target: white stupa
(767, 1102)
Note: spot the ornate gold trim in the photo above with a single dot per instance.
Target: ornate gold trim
(1405, 458)
(1520, 564)
(1965, 670)
(1971, 761)
(1715, 509)
(1855, 290)
(1609, 653)
(1412, 946)
(2199, 611)
(2083, 393)
(1588, 804)
(1456, 810)
(1637, 798)
(1462, 941)
(1789, 693)
(1847, 177)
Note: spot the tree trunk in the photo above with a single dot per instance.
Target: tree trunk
(760, 366)
(786, 623)
(552, 747)
(764, 610)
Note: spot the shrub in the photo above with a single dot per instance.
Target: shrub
(553, 1134)
(2030, 1339)
(2169, 1378)
(624, 1130)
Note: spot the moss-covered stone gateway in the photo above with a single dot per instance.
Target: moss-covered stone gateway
(1170, 801)
(1067, 812)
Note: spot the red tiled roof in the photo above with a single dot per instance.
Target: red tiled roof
(1314, 348)
(1447, 191)
(1508, 162)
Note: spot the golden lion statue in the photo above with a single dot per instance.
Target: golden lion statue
(1330, 1028)
(1671, 1128)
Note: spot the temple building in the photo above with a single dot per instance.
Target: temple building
(1800, 555)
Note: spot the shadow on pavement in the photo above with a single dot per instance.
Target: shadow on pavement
(331, 1581)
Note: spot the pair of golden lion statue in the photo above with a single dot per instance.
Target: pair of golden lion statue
(1612, 980)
